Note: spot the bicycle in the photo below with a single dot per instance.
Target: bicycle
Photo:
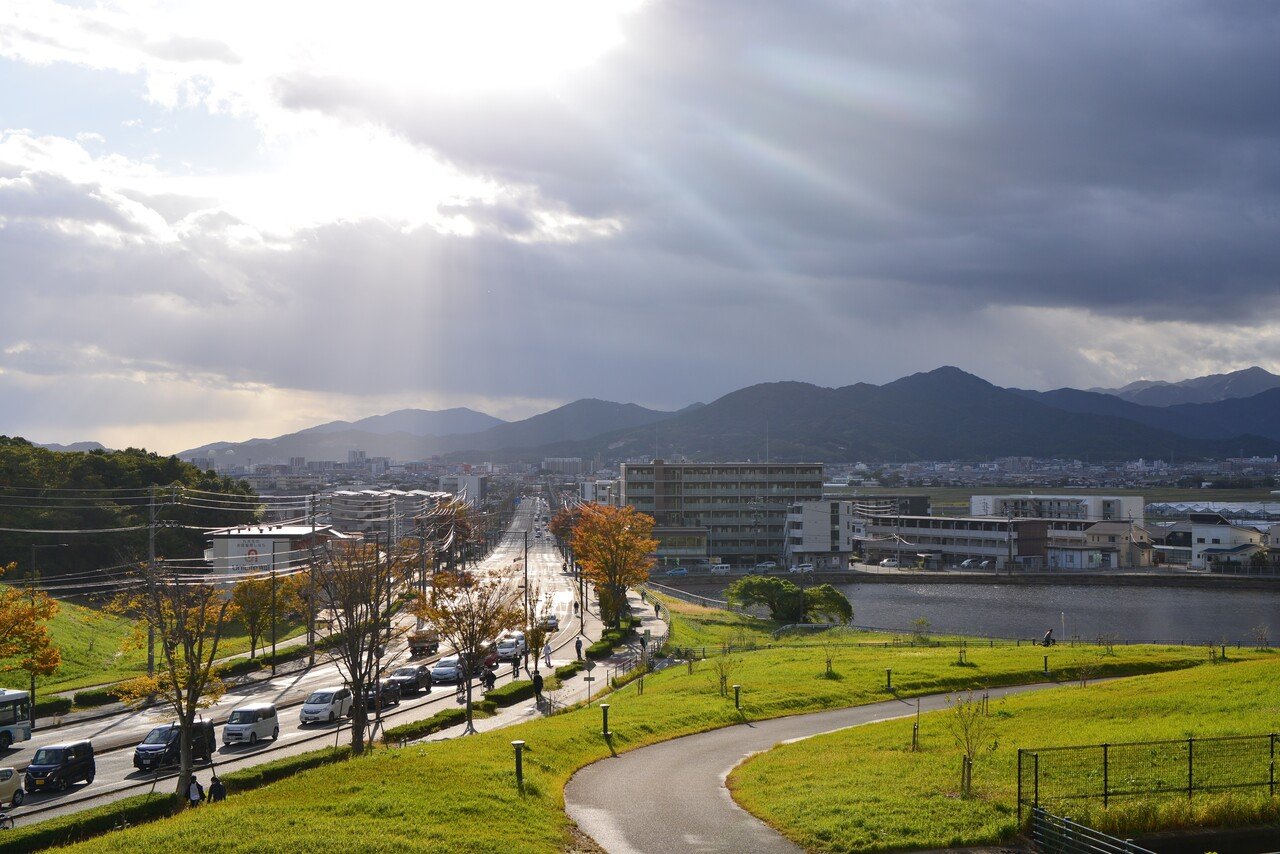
(6, 822)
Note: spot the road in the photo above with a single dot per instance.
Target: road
(628, 803)
(114, 737)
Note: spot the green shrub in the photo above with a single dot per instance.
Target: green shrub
(52, 707)
(260, 775)
(511, 693)
(442, 719)
(67, 829)
(238, 667)
(91, 697)
(567, 671)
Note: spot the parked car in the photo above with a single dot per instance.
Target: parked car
(767, 564)
(968, 563)
(11, 791)
(678, 572)
(890, 562)
(412, 678)
(58, 766)
(447, 669)
(511, 645)
(381, 694)
(802, 567)
(721, 569)
(251, 724)
(162, 747)
(550, 622)
(326, 704)
(986, 564)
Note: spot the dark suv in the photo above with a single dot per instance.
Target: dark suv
(162, 746)
(57, 767)
(412, 678)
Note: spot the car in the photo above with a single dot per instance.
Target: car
(678, 572)
(801, 567)
(11, 791)
(986, 564)
(550, 623)
(511, 645)
(58, 766)
(162, 747)
(250, 724)
(447, 669)
(890, 562)
(326, 705)
(412, 678)
(968, 563)
(381, 694)
(767, 564)
(720, 569)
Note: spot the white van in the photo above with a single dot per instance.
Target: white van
(326, 704)
(720, 569)
(250, 724)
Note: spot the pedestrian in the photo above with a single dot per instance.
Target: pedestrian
(195, 792)
(489, 680)
(537, 686)
(546, 653)
(575, 609)
(515, 668)
(657, 609)
(217, 791)
(577, 648)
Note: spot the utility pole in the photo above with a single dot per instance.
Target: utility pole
(273, 607)
(151, 567)
(311, 588)
(1009, 538)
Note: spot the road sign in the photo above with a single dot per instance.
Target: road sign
(590, 665)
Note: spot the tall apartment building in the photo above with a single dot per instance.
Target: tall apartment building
(572, 466)
(1094, 508)
(740, 508)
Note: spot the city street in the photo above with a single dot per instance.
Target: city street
(115, 737)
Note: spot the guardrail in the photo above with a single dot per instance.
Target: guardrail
(1055, 835)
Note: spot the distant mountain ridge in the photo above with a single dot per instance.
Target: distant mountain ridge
(74, 446)
(1212, 388)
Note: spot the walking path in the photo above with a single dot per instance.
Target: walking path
(672, 796)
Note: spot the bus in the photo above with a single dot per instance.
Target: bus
(15, 717)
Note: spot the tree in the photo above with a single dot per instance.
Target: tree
(824, 603)
(25, 641)
(784, 600)
(971, 728)
(355, 584)
(188, 616)
(563, 523)
(469, 612)
(616, 548)
(252, 598)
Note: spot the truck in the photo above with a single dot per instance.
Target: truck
(424, 640)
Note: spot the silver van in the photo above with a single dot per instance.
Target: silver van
(251, 724)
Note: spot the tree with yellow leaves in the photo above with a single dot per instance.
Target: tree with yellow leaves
(615, 546)
(25, 641)
(188, 616)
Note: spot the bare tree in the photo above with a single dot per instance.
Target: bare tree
(722, 669)
(470, 612)
(972, 730)
(355, 584)
(1262, 635)
(188, 617)
(1086, 667)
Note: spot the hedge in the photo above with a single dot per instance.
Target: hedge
(442, 719)
(238, 667)
(91, 697)
(52, 707)
(568, 671)
(511, 693)
(140, 809)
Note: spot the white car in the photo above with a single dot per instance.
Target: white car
(447, 669)
(250, 724)
(968, 563)
(802, 567)
(767, 564)
(511, 645)
(326, 704)
(890, 562)
(720, 569)
(11, 791)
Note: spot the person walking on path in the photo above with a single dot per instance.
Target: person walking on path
(546, 653)
(195, 792)
(537, 687)
(577, 648)
(657, 609)
(217, 791)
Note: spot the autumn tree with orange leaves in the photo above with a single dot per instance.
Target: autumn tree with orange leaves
(615, 547)
(25, 641)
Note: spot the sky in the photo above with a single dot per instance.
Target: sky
(236, 219)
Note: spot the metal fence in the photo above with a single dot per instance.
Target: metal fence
(1059, 776)
(1055, 835)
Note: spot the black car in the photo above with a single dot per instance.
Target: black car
(381, 694)
(412, 678)
(162, 746)
(57, 767)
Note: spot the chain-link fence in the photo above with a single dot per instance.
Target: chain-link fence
(1055, 777)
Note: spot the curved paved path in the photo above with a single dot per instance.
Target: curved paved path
(672, 796)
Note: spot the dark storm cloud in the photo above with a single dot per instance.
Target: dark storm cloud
(1116, 156)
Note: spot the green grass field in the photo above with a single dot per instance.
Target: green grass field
(460, 795)
(862, 789)
(91, 642)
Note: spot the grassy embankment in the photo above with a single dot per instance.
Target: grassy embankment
(460, 795)
(862, 789)
(91, 642)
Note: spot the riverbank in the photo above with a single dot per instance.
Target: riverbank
(1109, 578)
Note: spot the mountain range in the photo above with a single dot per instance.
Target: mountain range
(943, 414)
(1208, 389)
